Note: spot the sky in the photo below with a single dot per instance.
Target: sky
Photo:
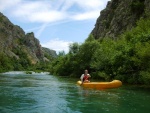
(55, 23)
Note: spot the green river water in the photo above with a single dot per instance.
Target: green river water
(42, 93)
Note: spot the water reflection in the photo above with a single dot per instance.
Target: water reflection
(98, 100)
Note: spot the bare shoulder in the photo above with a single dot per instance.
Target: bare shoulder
(89, 75)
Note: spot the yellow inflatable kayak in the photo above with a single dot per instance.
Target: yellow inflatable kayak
(101, 85)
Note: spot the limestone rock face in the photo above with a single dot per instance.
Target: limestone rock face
(119, 16)
(49, 52)
(14, 41)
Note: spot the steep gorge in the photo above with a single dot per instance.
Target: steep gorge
(14, 43)
(119, 16)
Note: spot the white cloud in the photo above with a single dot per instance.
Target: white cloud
(37, 11)
(41, 29)
(57, 45)
(46, 25)
(41, 11)
(86, 15)
(4, 4)
(50, 16)
(50, 12)
(90, 4)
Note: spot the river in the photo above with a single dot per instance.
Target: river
(43, 93)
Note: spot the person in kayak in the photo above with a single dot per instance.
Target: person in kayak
(85, 77)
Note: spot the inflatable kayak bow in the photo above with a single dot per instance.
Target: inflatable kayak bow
(101, 85)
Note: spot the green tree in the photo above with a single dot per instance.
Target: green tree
(74, 48)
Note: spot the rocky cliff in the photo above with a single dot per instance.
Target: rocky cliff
(14, 42)
(49, 52)
(119, 16)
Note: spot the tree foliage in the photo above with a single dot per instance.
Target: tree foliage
(127, 58)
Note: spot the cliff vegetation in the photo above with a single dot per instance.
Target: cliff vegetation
(20, 51)
(117, 48)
